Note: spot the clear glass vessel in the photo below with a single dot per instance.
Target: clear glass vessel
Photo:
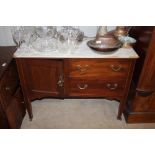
(46, 31)
(46, 39)
(69, 38)
(22, 34)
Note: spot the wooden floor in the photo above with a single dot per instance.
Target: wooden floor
(77, 114)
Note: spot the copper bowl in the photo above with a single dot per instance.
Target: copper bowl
(121, 31)
(106, 43)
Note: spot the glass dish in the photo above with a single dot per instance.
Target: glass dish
(127, 41)
(69, 39)
(46, 31)
(45, 45)
(44, 39)
(22, 34)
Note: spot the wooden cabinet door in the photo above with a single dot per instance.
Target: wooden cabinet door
(42, 77)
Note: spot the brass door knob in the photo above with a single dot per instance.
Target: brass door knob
(60, 81)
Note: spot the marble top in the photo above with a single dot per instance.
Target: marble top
(83, 51)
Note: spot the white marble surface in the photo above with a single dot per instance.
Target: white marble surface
(83, 51)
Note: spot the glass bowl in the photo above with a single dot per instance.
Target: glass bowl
(46, 31)
(45, 44)
(22, 34)
(69, 39)
(127, 41)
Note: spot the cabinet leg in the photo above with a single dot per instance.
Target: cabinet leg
(30, 119)
(120, 110)
(30, 116)
(119, 117)
(29, 109)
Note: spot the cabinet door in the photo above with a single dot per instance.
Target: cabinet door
(42, 77)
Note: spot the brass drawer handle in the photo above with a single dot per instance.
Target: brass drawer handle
(116, 68)
(144, 93)
(7, 88)
(112, 86)
(82, 87)
(4, 64)
(82, 69)
(60, 81)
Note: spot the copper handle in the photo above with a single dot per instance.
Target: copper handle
(4, 64)
(144, 93)
(82, 69)
(61, 81)
(116, 68)
(82, 87)
(112, 86)
(7, 88)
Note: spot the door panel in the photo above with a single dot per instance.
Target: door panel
(42, 76)
(43, 83)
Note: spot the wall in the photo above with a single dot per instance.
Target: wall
(6, 37)
(90, 31)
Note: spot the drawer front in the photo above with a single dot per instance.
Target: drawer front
(8, 84)
(104, 68)
(93, 88)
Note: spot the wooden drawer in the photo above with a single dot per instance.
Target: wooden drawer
(8, 85)
(93, 88)
(104, 68)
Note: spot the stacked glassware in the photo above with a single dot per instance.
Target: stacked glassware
(69, 38)
(45, 39)
(22, 34)
(48, 38)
